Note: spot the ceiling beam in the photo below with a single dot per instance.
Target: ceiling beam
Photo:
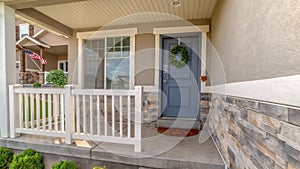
(39, 19)
(23, 4)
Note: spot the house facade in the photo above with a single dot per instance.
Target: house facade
(247, 50)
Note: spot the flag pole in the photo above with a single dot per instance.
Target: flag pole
(42, 73)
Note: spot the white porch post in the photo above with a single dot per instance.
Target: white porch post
(7, 63)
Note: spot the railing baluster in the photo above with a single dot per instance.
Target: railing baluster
(26, 111)
(121, 116)
(38, 110)
(84, 113)
(91, 116)
(49, 112)
(128, 118)
(62, 113)
(44, 111)
(105, 115)
(21, 103)
(113, 115)
(77, 115)
(32, 111)
(98, 115)
(55, 111)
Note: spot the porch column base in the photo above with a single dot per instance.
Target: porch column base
(41, 77)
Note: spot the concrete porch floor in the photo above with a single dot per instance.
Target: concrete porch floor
(159, 151)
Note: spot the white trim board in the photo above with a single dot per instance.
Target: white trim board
(181, 29)
(280, 90)
(106, 33)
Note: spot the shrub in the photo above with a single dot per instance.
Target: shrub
(64, 165)
(57, 77)
(36, 85)
(29, 159)
(5, 157)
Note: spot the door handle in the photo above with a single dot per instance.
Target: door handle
(165, 81)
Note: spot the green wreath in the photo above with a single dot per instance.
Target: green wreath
(184, 56)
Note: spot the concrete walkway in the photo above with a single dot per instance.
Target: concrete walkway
(159, 151)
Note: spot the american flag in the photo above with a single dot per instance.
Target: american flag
(34, 56)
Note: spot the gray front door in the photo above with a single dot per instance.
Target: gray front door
(180, 86)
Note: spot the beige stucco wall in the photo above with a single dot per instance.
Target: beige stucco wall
(54, 40)
(51, 63)
(256, 39)
(144, 59)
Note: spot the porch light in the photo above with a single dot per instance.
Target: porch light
(175, 3)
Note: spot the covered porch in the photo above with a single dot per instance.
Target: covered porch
(102, 115)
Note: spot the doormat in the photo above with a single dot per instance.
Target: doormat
(177, 132)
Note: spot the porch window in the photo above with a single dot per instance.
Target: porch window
(117, 62)
(24, 30)
(107, 63)
(63, 65)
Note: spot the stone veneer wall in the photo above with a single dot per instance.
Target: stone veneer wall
(252, 134)
(28, 77)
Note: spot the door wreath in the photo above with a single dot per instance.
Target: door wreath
(184, 56)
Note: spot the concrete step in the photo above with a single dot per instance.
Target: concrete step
(182, 123)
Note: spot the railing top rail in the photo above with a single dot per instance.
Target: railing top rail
(102, 92)
(40, 90)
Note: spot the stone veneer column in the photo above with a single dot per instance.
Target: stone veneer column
(7, 63)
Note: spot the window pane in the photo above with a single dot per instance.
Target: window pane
(67, 67)
(93, 56)
(118, 41)
(126, 52)
(117, 53)
(126, 41)
(110, 42)
(61, 66)
(117, 73)
(24, 30)
(94, 44)
(101, 53)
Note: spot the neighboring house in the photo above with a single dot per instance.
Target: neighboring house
(124, 80)
(53, 47)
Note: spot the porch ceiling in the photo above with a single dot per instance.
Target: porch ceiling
(97, 13)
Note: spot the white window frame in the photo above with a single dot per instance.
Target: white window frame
(64, 62)
(24, 24)
(81, 36)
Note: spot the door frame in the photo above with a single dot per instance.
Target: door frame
(159, 33)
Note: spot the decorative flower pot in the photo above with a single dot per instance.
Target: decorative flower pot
(203, 78)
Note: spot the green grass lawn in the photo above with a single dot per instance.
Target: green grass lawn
(35, 110)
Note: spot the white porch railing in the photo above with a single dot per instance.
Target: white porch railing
(101, 115)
